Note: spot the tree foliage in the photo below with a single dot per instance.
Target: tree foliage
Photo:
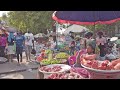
(35, 21)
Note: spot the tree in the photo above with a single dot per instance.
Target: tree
(35, 21)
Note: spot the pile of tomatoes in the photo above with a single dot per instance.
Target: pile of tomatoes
(65, 76)
(89, 61)
(53, 69)
(102, 65)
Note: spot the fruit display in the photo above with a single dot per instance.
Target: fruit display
(65, 76)
(62, 55)
(52, 69)
(66, 48)
(39, 58)
(102, 65)
(52, 61)
(48, 51)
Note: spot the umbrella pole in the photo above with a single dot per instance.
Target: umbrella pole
(94, 31)
(57, 35)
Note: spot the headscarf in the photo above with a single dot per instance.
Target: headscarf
(10, 37)
(92, 45)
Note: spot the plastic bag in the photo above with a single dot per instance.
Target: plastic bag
(33, 51)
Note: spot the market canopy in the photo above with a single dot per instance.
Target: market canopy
(76, 29)
(86, 17)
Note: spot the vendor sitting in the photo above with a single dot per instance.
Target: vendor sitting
(90, 55)
(111, 54)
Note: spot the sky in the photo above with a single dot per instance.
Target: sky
(1, 12)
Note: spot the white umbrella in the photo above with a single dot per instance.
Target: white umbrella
(39, 35)
(114, 39)
(76, 29)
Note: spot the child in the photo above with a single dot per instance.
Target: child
(77, 44)
(72, 47)
(111, 53)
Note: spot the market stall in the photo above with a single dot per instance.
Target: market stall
(91, 68)
(91, 18)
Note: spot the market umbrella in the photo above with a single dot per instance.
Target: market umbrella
(11, 29)
(75, 29)
(86, 17)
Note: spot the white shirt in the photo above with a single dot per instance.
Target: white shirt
(28, 39)
(53, 44)
(100, 40)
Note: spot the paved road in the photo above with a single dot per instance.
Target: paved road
(9, 67)
(31, 74)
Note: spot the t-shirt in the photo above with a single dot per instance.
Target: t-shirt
(28, 39)
(19, 40)
(88, 41)
(52, 44)
(101, 41)
(3, 41)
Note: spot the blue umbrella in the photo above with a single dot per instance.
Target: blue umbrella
(86, 17)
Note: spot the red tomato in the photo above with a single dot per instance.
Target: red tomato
(114, 62)
(102, 67)
(106, 61)
(95, 64)
(103, 64)
(89, 62)
(39, 58)
(110, 66)
(117, 67)
(42, 54)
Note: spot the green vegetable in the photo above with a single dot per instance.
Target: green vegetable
(53, 61)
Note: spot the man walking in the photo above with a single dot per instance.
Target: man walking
(29, 41)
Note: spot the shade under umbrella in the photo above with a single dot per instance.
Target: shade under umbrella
(75, 29)
(10, 29)
(86, 17)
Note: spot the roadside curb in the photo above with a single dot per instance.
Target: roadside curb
(16, 71)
